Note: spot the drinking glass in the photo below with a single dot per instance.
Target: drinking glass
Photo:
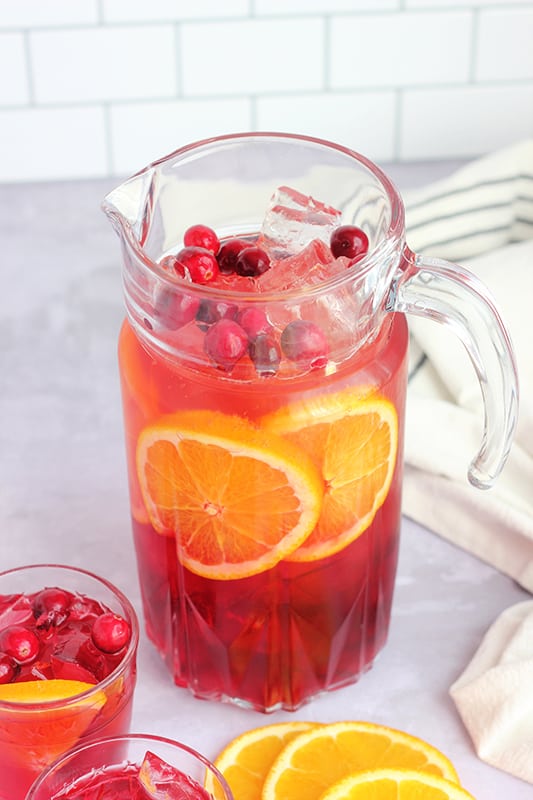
(68, 689)
(113, 766)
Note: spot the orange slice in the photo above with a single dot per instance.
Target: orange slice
(395, 784)
(353, 441)
(47, 691)
(312, 762)
(239, 499)
(246, 760)
(38, 730)
(139, 401)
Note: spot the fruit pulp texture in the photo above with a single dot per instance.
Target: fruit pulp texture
(275, 639)
(33, 735)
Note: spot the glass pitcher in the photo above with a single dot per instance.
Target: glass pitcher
(264, 407)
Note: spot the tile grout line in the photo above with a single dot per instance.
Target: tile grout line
(106, 108)
(474, 45)
(398, 119)
(326, 52)
(29, 68)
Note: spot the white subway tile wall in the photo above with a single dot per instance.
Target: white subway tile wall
(97, 88)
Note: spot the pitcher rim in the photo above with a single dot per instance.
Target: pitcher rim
(394, 237)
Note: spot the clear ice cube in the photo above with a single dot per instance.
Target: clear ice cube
(292, 220)
(313, 264)
(15, 610)
(162, 781)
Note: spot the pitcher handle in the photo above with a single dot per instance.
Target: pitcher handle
(448, 293)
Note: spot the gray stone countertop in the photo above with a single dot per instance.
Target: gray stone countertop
(63, 491)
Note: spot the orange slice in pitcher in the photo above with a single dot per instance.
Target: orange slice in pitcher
(353, 440)
(240, 498)
(40, 734)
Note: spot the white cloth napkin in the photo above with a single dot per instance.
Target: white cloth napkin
(494, 693)
(481, 217)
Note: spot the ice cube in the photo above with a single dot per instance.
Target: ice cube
(15, 609)
(292, 220)
(162, 781)
(314, 264)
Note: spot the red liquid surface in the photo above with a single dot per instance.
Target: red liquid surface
(32, 734)
(277, 638)
(125, 782)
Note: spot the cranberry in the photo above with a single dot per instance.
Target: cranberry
(225, 343)
(228, 254)
(51, 607)
(7, 668)
(174, 308)
(304, 342)
(51, 599)
(349, 241)
(254, 321)
(201, 236)
(110, 632)
(210, 311)
(200, 263)
(252, 262)
(20, 643)
(266, 354)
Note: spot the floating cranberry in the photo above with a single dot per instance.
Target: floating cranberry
(201, 236)
(225, 343)
(20, 643)
(51, 599)
(7, 668)
(252, 262)
(110, 632)
(200, 263)
(174, 308)
(305, 343)
(51, 607)
(349, 241)
(254, 321)
(265, 353)
(228, 254)
(210, 311)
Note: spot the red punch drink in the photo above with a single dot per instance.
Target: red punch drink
(133, 767)
(67, 667)
(270, 628)
(263, 365)
(263, 410)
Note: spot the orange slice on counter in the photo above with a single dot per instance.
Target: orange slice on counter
(38, 735)
(317, 759)
(352, 437)
(246, 760)
(395, 784)
(239, 499)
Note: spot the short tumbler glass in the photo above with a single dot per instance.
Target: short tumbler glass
(51, 713)
(109, 768)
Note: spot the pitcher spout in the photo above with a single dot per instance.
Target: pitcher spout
(130, 207)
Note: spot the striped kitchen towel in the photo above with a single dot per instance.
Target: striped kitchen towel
(481, 217)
